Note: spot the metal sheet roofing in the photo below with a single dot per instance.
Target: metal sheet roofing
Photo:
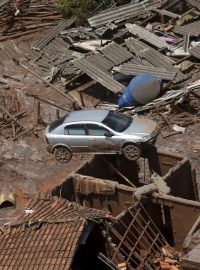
(193, 29)
(195, 3)
(69, 69)
(154, 57)
(159, 60)
(135, 46)
(131, 69)
(52, 34)
(53, 55)
(144, 34)
(47, 238)
(116, 53)
(98, 75)
(100, 61)
(57, 49)
(195, 51)
(122, 12)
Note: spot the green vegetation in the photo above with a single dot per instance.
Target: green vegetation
(83, 9)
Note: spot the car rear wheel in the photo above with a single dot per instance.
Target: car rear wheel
(62, 154)
(131, 152)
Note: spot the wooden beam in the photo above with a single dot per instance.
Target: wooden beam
(71, 98)
(11, 116)
(117, 171)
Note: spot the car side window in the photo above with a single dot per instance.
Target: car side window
(74, 130)
(95, 130)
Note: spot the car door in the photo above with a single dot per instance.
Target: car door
(97, 140)
(75, 137)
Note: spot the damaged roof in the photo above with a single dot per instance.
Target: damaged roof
(131, 10)
(192, 29)
(98, 75)
(107, 53)
(195, 3)
(46, 236)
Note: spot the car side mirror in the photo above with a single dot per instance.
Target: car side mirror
(108, 134)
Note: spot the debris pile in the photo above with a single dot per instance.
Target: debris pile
(169, 260)
(97, 61)
(116, 46)
(19, 18)
(78, 237)
(10, 113)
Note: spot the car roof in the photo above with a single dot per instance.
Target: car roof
(95, 115)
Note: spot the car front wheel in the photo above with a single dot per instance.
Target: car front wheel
(62, 154)
(131, 152)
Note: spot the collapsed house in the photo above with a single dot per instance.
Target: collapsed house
(102, 184)
(58, 234)
(99, 183)
(93, 220)
(90, 66)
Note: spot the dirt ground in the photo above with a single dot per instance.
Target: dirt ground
(26, 168)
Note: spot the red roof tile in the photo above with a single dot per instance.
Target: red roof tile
(47, 238)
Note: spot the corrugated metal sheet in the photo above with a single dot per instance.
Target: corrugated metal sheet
(158, 60)
(55, 54)
(57, 49)
(195, 51)
(116, 53)
(131, 69)
(154, 57)
(192, 28)
(137, 61)
(131, 10)
(98, 75)
(144, 34)
(52, 34)
(195, 3)
(135, 46)
(100, 61)
(69, 69)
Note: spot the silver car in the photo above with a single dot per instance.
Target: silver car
(100, 132)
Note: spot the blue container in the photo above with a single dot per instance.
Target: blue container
(141, 90)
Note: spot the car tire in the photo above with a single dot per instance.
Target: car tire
(62, 154)
(131, 152)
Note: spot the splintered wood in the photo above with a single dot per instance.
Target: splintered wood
(169, 260)
(18, 18)
(10, 113)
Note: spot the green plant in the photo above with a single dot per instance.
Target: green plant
(82, 9)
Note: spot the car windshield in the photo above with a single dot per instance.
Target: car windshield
(56, 123)
(117, 121)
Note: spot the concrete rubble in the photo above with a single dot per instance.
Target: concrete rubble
(101, 211)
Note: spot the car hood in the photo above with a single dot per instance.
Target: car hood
(141, 126)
